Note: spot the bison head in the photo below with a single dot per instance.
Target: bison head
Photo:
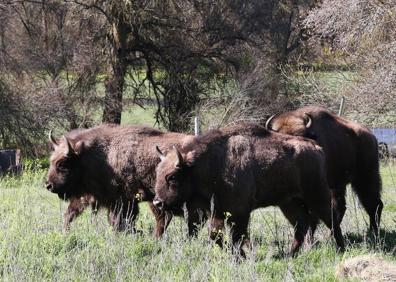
(173, 186)
(64, 172)
(293, 124)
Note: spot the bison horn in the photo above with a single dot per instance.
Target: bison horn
(268, 122)
(52, 139)
(69, 149)
(179, 161)
(160, 154)
(308, 119)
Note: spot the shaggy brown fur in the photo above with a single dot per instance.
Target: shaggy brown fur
(110, 167)
(351, 152)
(243, 168)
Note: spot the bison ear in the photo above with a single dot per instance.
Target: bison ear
(159, 153)
(52, 139)
(190, 158)
(69, 148)
(72, 150)
(180, 161)
(307, 120)
(79, 147)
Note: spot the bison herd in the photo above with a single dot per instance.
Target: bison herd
(300, 161)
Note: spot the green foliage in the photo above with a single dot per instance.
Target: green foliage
(34, 248)
(35, 164)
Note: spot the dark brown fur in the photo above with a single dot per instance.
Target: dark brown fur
(110, 167)
(351, 152)
(246, 167)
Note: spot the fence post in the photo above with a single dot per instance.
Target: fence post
(196, 126)
(341, 109)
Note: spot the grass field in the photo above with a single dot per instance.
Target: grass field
(137, 115)
(34, 248)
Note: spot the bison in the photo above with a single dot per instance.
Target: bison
(238, 169)
(111, 167)
(351, 151)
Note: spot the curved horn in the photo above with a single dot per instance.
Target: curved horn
(159, 153)
(309, 120)
(179, 161)
(52, 139)
(69, 149)
(268, 122)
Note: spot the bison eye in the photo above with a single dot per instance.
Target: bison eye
(170, 178)
(61, 165)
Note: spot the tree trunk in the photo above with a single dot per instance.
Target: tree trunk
(114, 86)
(114, 83)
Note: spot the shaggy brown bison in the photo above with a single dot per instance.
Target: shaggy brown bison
(241, 168)
(351, 151)
(110, 167)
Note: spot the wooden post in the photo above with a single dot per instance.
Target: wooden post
(341, 109)
(196, 126)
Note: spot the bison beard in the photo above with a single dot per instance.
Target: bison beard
(351, 153)
(242, 168)
(111, 167)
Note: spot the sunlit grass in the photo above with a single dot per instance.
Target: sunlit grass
(138, 115)
(34, 248)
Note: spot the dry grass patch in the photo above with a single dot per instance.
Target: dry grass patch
(367, 268)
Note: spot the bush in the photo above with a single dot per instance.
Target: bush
(35, 164)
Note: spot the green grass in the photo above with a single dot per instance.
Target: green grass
(34, 248)
(137, 115)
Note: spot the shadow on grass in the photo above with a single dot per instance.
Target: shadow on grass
(386, 241)
(281, 255)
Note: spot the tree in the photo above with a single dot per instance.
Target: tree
(49, 66)
(176, 52)
(365, 33)
(182, 46)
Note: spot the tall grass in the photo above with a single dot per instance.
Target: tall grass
(34, 248)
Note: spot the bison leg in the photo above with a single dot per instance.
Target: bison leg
(216, 230)
(334, 226)
(239, 233)
(367, 181)
(122, 216)
(76, 207)
(112, 217)
(370, 197)
(321, 206)
(195, 216)
(162, 220)
(297, 215)
(338, 199)
(313, 223)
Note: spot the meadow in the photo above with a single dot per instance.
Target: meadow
(33, 246)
